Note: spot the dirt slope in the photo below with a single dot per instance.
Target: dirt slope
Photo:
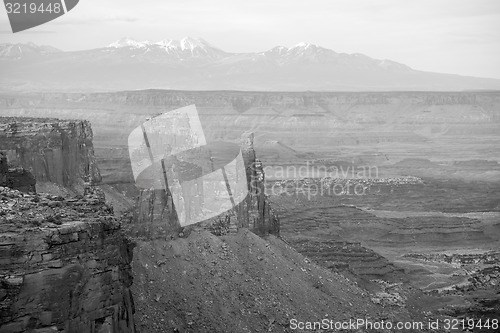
(239, 283)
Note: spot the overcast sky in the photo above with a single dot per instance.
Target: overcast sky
(447, 36)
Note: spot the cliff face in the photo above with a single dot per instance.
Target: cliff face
(257, 213)
(155, 216)
(65, 265)
(302, 121)
(17, 178)
(231, 112)
(58, 151)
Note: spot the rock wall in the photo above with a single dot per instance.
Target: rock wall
(65, 265)
(277, 115)
(156, 216)
(286, 124)
(257, 213)
(53, 150)
(18, 178)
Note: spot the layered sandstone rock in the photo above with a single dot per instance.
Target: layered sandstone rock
(65, 265)
(303, 123)
(53, 150)
(17, 178)
(295, 119)
(347, 256)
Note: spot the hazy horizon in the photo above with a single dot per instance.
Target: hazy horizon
(456, 37)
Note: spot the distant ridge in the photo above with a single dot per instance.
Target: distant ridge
(195, 64)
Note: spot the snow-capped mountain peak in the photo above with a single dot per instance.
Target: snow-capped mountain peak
(302, 45)
(278, 50)
(191, 43)
(187, 43)
(180, 49)
(129, 42)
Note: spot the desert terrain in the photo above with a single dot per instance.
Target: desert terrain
(396, 191)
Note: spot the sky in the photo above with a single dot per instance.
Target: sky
(445, 36)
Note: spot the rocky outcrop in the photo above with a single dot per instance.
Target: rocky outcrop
(65, 265)
(17, 178)
(53, 150)
(156, 216)
(259, 216)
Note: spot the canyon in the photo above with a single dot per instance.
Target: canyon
(369, 129)
(69, 264)
(381, 242)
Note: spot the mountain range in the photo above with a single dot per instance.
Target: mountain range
(194, 64)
